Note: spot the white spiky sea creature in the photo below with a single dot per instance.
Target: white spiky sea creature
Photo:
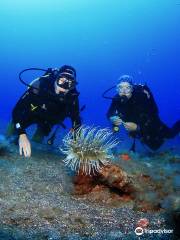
(88, 149)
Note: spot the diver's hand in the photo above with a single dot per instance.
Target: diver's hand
(24, 145)
(116, 121)
(130, 126)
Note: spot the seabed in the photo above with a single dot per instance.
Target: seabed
(37, 200)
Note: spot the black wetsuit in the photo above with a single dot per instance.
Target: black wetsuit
(142, 110)
(45, 108)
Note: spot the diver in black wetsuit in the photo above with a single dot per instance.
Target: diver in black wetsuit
(135, 108)
(51, 99)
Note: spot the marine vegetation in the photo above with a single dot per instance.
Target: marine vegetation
(88, 149)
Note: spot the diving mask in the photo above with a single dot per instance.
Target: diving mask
(124, 88)
(66, 81)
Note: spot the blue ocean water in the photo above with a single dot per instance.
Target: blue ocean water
(102, 40)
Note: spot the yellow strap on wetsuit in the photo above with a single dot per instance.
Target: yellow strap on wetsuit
(33, 108)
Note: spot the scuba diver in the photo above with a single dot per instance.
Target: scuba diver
(47, 102)
(135, 108)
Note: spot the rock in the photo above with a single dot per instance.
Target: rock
(114, 186)
(83, 184)
(110, 186)
(114, 176)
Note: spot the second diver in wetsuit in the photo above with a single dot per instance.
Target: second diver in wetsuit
(135, 108)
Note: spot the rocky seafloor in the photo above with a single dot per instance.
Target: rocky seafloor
(38, 200)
